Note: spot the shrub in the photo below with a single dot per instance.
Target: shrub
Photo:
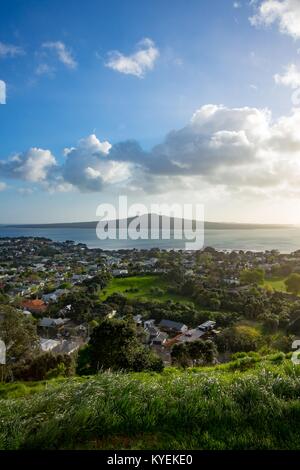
(39, 367)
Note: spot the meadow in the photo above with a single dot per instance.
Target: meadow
(246, 404)
(277, 284)
(149, 287)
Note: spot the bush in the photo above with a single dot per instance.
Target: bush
(44, 366)
(277, 358)
(238, 338)
(244, 363)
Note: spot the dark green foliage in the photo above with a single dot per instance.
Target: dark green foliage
(44, 365)
(293, 283)
(195, 352)
(18, 333)
(238, 338)
(114, 344)
(252, 276)
(294, 327)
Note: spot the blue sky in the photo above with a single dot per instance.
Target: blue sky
(65, 82)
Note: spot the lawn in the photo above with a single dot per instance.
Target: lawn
(143, 288)
(276, 283)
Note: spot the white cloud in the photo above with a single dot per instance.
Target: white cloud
(237, 5)
(33, 165)
(221, 149)
(2, 92)
(291, 77)
(88, 168)
(9, 50)
(286, 13)
(45, 69)
(3, 186)
(136, 64)
(233, 148)
(63, 53)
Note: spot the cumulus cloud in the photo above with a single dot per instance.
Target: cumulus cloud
(2, 92)
(291, 77)
(230, 150)
(88, 168)
(63, 53)
(136, 64)
(230, 147)
(285, 13)
(33, 165)
(9, 50)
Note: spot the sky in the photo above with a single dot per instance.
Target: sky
(163, 101)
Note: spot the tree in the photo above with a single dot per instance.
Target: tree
(199, 352)
(202, 351)
(18, 333)
(114, 345)
(44, 366)
(238, 339)
(271, 324)
(293, 283)
(180, 355)
(252, 276)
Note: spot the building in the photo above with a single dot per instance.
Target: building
(173, 326)
(207, 326)
(34, 306)
(50, 327)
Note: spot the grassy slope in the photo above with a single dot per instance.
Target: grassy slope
(144, 285)
(276, 284)
(212, 408)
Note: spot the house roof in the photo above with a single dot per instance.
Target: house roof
(207, 324)
(35, 303)
(48, 344)
(173, 325)
(48, 322)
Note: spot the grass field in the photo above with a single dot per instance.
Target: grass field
(212, 408)
(142, 287)
(276, 284)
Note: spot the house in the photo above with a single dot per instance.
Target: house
(191, 335)
(119, 272)
(59, 346)
(47, 322)
(48, 345)
(152, 332)
(173, 326)
(34, 306)
(148, 323)
(68, 346)
(54, 296)
(160, 339)
(207, 326)
(138, 319)
(51, 326)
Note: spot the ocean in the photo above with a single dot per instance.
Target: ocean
(286, 240)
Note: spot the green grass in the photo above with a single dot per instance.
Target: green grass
(277, 284)
(144, 286)
(209, 408)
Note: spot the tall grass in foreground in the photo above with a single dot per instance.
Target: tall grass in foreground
(259, 409)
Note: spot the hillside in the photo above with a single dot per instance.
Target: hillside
(209, 408)
(169, 221)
